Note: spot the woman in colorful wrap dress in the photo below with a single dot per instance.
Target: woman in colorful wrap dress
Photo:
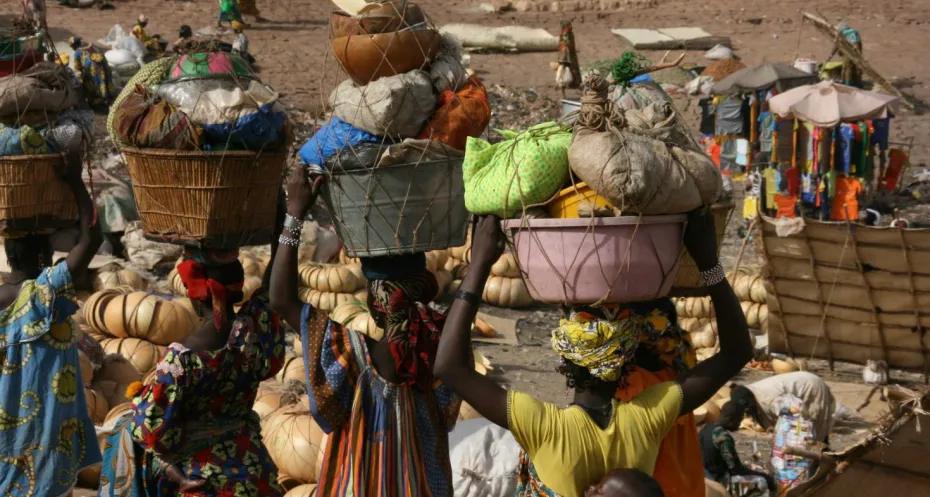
(46, 437)
(229, 12)
(387, 417)
(96, 77)
(596, 434)
(192, 431)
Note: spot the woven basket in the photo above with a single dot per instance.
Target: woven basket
(688, 282)
(33, 197)
(211, 200)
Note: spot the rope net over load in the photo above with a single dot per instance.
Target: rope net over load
(401, 110)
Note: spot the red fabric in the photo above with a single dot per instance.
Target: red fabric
(793, 178)
(896, 161)
(19, 64)
(714, 151)
(202, 288)
(460, 115)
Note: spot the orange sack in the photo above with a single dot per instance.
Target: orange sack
(461, 114)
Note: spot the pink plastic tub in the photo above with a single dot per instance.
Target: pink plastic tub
(608, 260)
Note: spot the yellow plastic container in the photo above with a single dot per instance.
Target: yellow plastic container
(565, 205)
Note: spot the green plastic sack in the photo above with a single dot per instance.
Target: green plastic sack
(526, 168)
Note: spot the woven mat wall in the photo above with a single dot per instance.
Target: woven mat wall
(846, 292)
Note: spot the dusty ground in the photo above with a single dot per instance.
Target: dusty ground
(291, 49)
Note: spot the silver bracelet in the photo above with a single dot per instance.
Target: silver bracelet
(294, 225)
(713, 275)
(286, 240)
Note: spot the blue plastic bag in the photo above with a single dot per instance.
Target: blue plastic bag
(333, 137)
(263, 129)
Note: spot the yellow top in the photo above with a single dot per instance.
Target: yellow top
(571, 452)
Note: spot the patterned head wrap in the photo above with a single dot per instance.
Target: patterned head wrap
(605, 339)
(411, 328)
(214, 277)
(602, 346)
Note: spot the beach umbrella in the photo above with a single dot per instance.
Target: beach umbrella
(827, 104)
(776, 75)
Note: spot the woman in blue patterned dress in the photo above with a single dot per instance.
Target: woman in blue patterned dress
(46, 437)
(96, 77)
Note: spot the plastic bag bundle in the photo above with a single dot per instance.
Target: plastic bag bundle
(462, 114)
(337, 137)
(396, 106)
(145, 121)
(526, 168)
(446, 69)
(638, 156)
(792, 429)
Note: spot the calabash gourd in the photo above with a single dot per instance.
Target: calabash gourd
(325, 301)
(97, 405)
(506, 267)
(115, 276)
(293, 369)
(267, 399)
(354, 315)
(308, 490)
(333, 278)
(506, 292)
(143, 355)
(295, 442)
(114, 377)
(156, 319)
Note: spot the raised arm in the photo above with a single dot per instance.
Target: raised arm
(702, 382)
(82, 253)
(283, 291)
(454, 366)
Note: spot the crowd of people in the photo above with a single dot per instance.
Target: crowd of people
(388, 405)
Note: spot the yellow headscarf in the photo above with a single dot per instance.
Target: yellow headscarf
(601, 346)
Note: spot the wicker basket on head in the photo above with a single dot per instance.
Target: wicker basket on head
(688, 281)
(211, 200)
(32, 195)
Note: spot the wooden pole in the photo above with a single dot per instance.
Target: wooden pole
(854, 56)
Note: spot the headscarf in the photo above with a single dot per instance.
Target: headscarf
(215, 277)
(602, 346)
(411, 328)
(650, 326)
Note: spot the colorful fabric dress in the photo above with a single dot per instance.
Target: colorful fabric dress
(198, 415)
(95, 75)
(717, 441)
(385, 440)
(46, 437)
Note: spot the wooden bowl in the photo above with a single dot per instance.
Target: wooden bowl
(367, 58)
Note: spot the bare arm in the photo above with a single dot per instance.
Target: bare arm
(283, 292)
(91, 238)
(702, 382)
(454, 366)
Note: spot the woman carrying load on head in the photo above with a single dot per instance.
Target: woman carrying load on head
(96, 77)
(192, 431)
(387, 417)
(597, 434)
(46, 437)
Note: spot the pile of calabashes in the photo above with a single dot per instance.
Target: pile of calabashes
(505, 286)
(696, 314)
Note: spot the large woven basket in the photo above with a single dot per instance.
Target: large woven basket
(399, 209)
(33, 198)
(688, 282)
(211, 200)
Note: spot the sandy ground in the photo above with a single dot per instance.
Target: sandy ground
(292, 48)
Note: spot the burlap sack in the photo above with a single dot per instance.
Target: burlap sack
(641, 158)
(43, 87)
(393, 106)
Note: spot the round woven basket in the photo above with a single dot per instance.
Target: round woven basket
(688, 281)
(33, 197)
(211, 200)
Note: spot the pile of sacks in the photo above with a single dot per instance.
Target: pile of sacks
(38, 113)
(200, 101)
(629, 152)
(408, 98)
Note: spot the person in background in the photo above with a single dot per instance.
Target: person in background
(240, 47)
(387, 417)
(34, 12)
(152, 43)
(758, 399)
(229, 12)
(95, 74)
(248, 8)
(852, 74)
(185, 39)
(47, 435)
(721, 460)
(626, 483)
(597, 434)
(192, 430)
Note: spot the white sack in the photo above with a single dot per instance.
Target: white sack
(485, 460)
(393, 106)
(519, 38)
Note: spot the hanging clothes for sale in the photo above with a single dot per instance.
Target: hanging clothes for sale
(784, 146)
(863, 149)
(882, 132)
(898, 161)
(805, 147)
(808, 189)
(729, 112)
(846, 200)
(728, 156)
(771, 186)
(708, 115)
(766, 130)
(845, 139)
(786, 206)
(825, 149)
